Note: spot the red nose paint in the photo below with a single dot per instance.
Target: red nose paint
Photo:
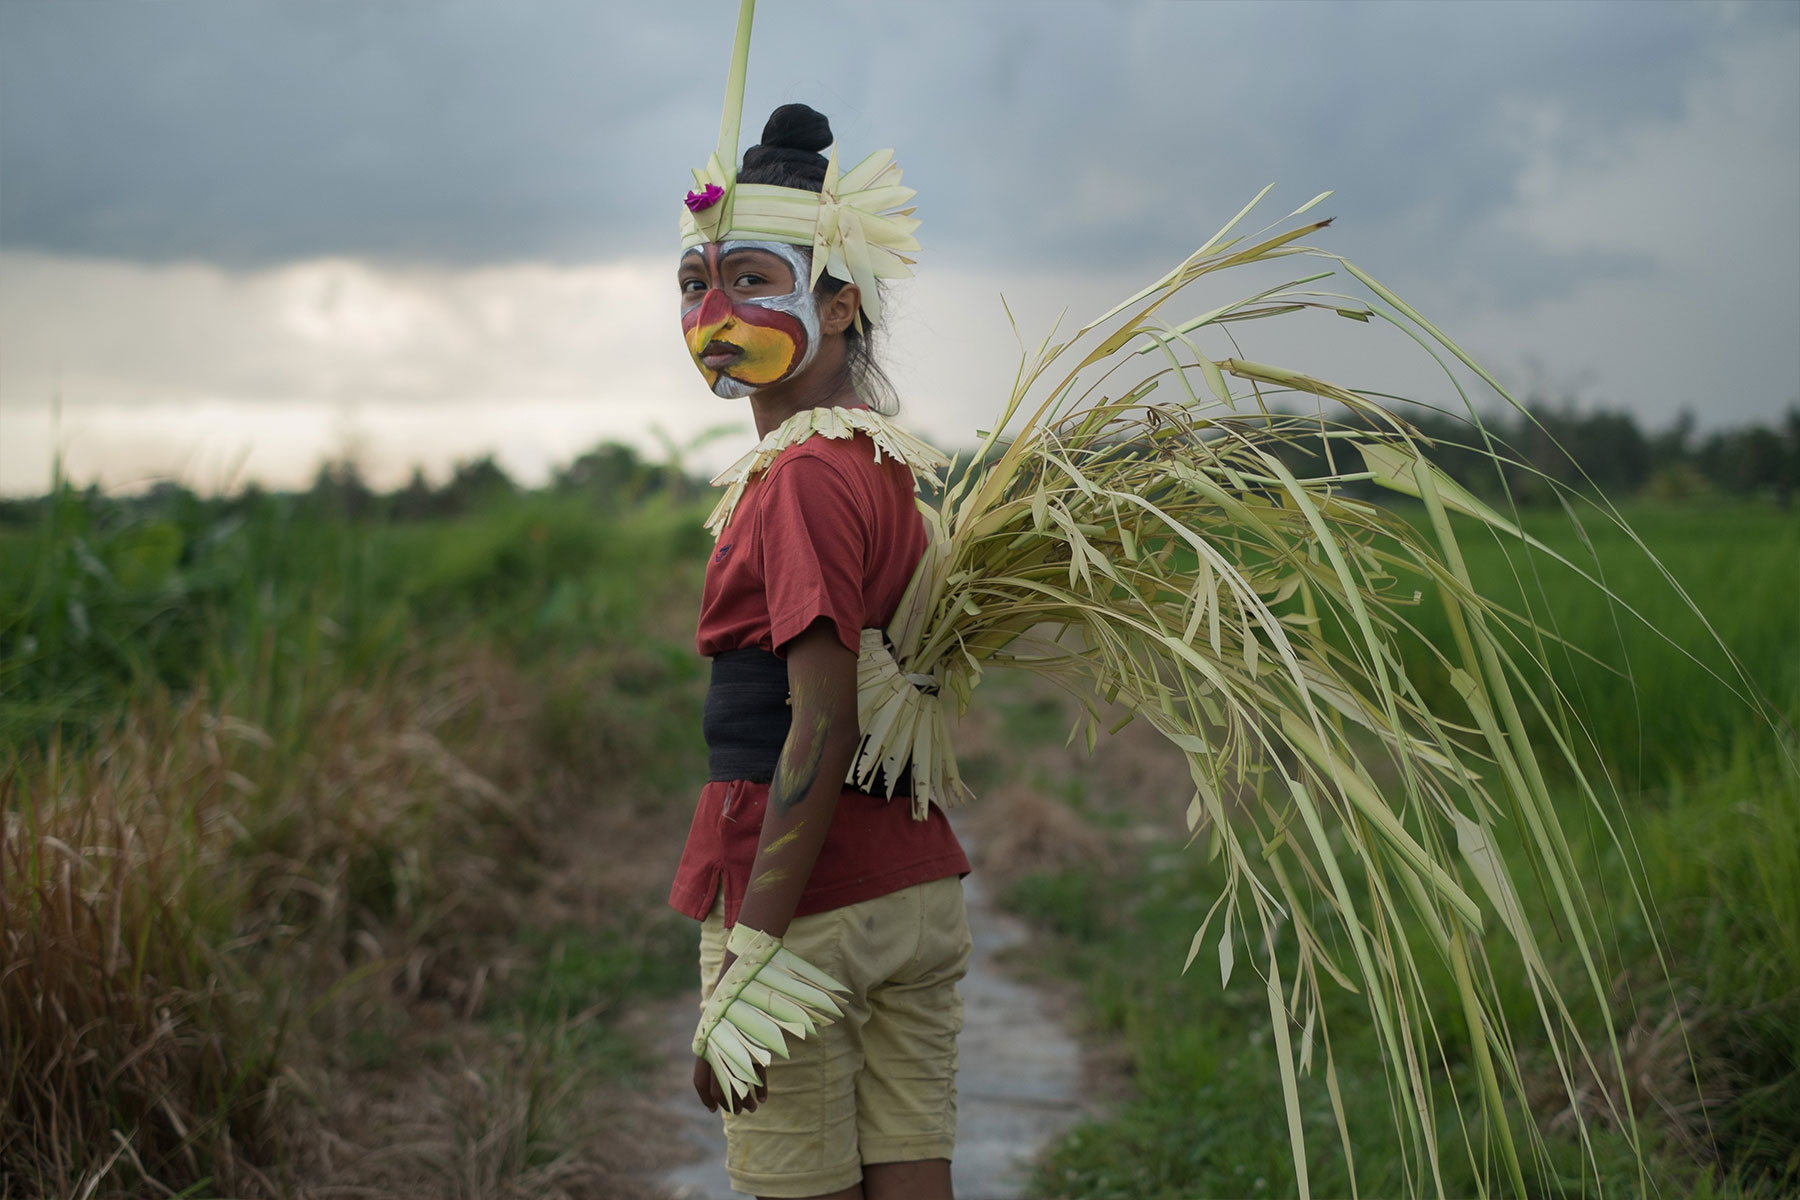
(714, 308)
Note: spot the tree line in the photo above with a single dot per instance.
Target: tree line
(1542, 449)
(1552, 446)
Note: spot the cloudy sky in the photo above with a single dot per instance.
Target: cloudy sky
(235, 237)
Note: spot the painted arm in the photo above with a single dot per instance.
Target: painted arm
(808, 778)
(802, 799)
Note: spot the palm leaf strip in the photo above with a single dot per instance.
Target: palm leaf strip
(1158, 551)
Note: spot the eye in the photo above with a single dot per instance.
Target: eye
(693, 287)
(750, 279)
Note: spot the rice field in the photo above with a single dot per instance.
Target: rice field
(1711, 1042)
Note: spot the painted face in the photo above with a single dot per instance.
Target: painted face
(742, 328)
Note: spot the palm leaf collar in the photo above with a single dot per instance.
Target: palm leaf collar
(921, 458)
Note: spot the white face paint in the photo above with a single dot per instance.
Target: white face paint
(756, 337)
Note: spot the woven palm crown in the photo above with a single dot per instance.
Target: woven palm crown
(855, 224)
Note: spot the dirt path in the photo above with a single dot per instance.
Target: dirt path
(1018, 1083)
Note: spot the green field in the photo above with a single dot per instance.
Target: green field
(335, 847)
(1713, 809)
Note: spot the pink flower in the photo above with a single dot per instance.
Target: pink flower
(705, 198)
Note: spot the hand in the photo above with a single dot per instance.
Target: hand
(713, 1093)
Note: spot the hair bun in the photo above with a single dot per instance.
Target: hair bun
(797, 127)
(788, 155)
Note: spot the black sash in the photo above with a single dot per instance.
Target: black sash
(748, 716)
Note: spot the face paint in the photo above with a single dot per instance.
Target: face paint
(749, 343)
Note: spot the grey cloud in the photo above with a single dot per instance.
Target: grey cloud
(1082, 134)
(249, 133)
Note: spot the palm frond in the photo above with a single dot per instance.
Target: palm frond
(1173, 552)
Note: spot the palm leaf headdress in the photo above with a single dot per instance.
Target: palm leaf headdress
(856, 225)
(1136, 528)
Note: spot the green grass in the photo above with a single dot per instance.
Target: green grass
(101, 602)
(1205, 1116)
(594, 976)
(1654, 688)
(1714, 812)
(1722, 854)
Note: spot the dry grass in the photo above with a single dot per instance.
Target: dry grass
(129, 1038)
(1671, 1080)
(501, 1118)
(1019, 830)
(200, 926)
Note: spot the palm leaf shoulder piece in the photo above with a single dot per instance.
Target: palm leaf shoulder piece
(839, 424)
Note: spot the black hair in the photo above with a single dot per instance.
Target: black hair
(789, 155)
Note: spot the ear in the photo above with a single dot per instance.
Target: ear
(838, 313)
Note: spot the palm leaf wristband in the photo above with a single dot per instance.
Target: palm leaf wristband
(768, 991)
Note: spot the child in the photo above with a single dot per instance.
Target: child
(818, 548)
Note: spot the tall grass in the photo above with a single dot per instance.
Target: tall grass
(265, 770)
(1711, 1053)
(130, 1037)
(1708, 1034)
(1723, 856)
(1655, 690)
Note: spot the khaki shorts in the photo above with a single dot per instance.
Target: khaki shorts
(879, 1084)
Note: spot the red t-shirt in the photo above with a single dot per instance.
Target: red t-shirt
(826, 532)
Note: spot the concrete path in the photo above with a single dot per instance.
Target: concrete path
(1018, 1083)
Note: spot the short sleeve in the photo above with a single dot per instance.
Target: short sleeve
(815, 536)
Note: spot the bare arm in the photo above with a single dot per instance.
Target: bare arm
(808, 779)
